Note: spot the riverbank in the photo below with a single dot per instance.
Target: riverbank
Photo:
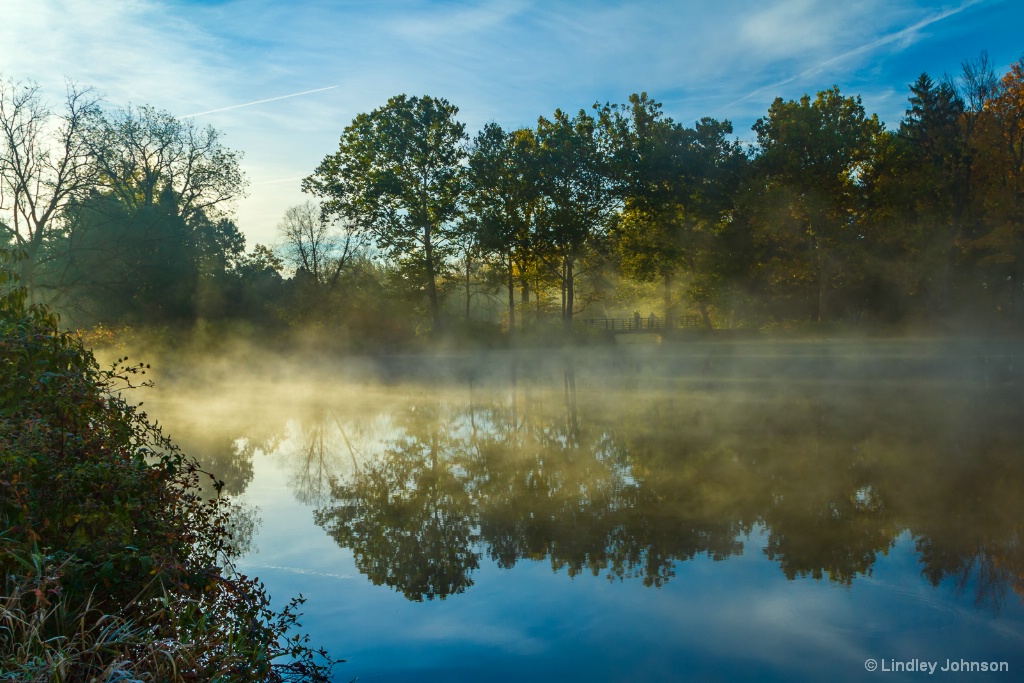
(116, 566)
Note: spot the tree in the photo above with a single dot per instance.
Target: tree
(151, 192)
(649, 157)
(574, 181)
(815, 154)
(140, 151)
(675, 184)
(314, 243)
(151, 238)
(504, 197)
(398, 175)
(117, 264)
(45, 164)
(259, 285)
(1000, 176)
(917, 196)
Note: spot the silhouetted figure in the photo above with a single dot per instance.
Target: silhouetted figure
(651, 321)
(636, 320)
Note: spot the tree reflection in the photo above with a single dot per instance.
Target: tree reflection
(224, 456)
(969, 528)
(407, 516)
(453, 478)
(317, 455)
(628, 483)
(834, 523)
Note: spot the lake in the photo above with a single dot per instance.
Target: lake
(772, 511)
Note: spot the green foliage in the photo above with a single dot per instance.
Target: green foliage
(118, 264)
(398, 175)
(111, 552)
(504, 202)
(676, 185)
(814, 156)
(578, 202)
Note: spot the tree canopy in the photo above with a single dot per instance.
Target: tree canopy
(398, 175)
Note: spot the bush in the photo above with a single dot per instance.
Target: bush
(116, 567)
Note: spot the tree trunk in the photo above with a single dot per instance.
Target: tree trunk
(668, 300)
(705, 315)
(511, 299)
(536, 299)
(569, 294)
(469, 295)
(562, 287)
(824, 274)
(428, 252)
(524, 294)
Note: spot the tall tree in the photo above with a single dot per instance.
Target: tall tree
(120, 264)
(675, 184)
(578, 202)
(504, 199)
(918, 193)
(1001, 187)
(651, 164)
(45, 164)
(398, 174)
(976, 86)
(815, 154)
(160, 192)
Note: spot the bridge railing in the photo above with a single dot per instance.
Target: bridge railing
(642, 324)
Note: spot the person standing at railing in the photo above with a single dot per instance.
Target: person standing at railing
(636, 320)
(652, 320)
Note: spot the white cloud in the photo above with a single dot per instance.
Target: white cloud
(132, 51)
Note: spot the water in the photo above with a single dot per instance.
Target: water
(749, 511)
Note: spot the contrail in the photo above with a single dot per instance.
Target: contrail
(278, 180)
(249, 104)
(884, 40)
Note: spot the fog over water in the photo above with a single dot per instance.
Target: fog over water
(752, 510)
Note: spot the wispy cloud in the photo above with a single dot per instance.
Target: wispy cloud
(135, 51)
(905, 35)
(291, 179)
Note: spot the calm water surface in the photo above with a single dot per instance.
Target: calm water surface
(749, 511)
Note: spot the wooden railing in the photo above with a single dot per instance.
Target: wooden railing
(641, 324)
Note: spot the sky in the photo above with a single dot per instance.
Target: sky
(282, 78)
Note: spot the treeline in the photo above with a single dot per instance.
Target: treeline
(829, 217)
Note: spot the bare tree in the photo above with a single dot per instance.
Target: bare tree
(44, 164)
(318, 245)
(140, 152)
(978, 83)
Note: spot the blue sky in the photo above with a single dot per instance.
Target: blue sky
(508, 61)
